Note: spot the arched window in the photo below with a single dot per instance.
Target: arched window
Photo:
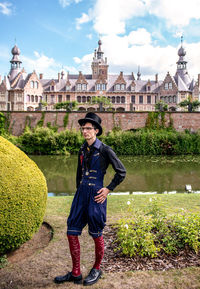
(36, 84)
(36, 98)
(32, 84)
(28, 98)
(118, 99)
(79, 99)
(88, 98)
(84, 98)
(123, 99)
(32, 98)
(113, 99)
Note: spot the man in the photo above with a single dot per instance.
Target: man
(90, 200)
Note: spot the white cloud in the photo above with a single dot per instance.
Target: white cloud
(42, 64)
(83, 19)
(177, 13)
(89, 36)
(110, 17)
(139, 37)
(5, 8)
(65, 3)
(151, 59)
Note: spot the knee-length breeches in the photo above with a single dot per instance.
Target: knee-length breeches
(85, 210)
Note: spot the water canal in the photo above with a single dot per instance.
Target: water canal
(144, 174)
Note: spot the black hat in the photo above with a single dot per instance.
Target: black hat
(92, 118)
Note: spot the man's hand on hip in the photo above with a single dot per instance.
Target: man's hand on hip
(102, 195)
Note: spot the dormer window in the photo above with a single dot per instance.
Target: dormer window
(166, 86)
(81, 87)
(67, 87)
(117, 87)
(101, 86)
(170, 85)
(122, 86)
(132, 87)
(148, 88)
(32, 84)
(52, 87)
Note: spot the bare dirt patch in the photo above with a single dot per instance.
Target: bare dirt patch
(39, 241)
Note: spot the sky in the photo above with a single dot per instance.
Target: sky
(56, 35)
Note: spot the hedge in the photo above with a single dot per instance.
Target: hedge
(23, 195)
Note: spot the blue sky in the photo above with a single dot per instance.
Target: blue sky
(62, 34)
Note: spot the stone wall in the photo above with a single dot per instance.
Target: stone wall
(126, 120)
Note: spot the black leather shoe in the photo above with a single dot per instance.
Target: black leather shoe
(68, 278)
(92, 277)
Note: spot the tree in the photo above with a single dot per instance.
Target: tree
(102, 101)
(67, 105)
(161, 106)
(191, 105)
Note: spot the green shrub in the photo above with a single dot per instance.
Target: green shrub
(153, 232)
(23, 194)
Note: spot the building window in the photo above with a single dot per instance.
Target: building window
(122, 86)
(148, 88)
(52, 99)
(103, 86)
(84, 98)
(166, 86)
(117, 87)
(32, 84)
(67, 97)
(78, 87)
(46, 98)
(36, 84)
(174, 98)
(98, 86)
(113, 99)
(170, 85)
(60, 98)
(79, 99)
(88, 98)
(32, 98)
(28, 98)
(84, 87)
(67, 87)
(148, 99)
(133, 98)
(132, 87)
(118, 99)
(36, 98)
(123, 99)
(140, 99)
(52, 87)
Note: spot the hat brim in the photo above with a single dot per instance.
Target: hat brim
(84, 120)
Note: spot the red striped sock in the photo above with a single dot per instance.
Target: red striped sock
(74, 247)
(99, 251)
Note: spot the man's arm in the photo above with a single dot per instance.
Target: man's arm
(79, 170)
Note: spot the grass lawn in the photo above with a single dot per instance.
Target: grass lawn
(39, 270)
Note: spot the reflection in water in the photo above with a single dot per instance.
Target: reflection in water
(144, 174)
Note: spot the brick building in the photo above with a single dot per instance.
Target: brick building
(20, 91)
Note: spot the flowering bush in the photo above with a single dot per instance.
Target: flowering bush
(151, 232)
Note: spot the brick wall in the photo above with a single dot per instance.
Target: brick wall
(126, 120)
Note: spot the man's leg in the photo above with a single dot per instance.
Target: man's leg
(75, 275)
(99, 251)
(74, 247)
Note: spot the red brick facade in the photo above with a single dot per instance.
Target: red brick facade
(125, 120)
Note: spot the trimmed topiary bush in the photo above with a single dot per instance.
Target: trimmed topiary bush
(23, 196)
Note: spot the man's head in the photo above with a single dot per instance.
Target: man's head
(94, 120)
(89, 131)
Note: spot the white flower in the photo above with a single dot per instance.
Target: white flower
(128, 203)
(150, 199)
(126, 226)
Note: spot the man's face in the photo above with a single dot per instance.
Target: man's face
(88, 131)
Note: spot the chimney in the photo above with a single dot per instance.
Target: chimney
(41, 75)
(59, 76)
(199, 80)
(121, 73)
(156, 78)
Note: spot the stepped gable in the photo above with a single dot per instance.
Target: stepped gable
(81, 79)
(101, 79)
(120, 79)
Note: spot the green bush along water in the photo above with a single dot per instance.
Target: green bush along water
(47, 141)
